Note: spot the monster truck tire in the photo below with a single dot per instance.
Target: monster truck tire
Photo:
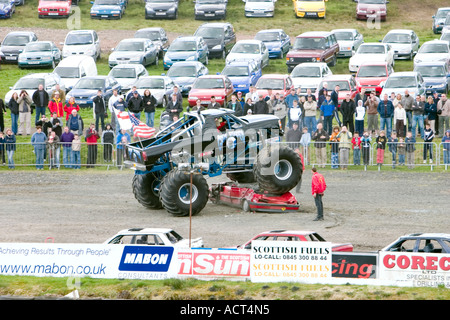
(277, 176)
(144, 190)
(242, 177)
(175, 193)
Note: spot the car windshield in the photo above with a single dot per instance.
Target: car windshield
(183, 46)
(344, 36)
(371, 50)
(259, 0)
(38, 47)
(309, 43)
(267, 36)
(123, 73)
(343, 85)
(209, 1)
(67, 72)
(210, 33)
(397, 38)
(107, 2)
(442, 14)
(130, 46)
(401, 82)
(306, 72)
(431, 71)
(152, 35)
(434, 48)
(235, 71)
(91, 84)
(159, 1)
(79, 38)
(371, 1)
(208, 83)
(28, 83)
(150, 83)
(267, 83)
(5, 1)
(372, 71)
(16, 40)
(246, 48)
(182, 71)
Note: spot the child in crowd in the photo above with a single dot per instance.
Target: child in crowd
(305, 141)
(366, 139)
(428, 136)
(392, 144)
(76, 151)
(334, 148)
(410, 148)
(401, 149)
(381, 146)
(356, 146)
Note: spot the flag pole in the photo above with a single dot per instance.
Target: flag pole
(190, 209)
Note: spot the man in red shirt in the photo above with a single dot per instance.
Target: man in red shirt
(318, 187)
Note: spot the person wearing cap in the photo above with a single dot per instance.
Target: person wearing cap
(136, 105)
(56, 106)
(261, 106)
(240, 99)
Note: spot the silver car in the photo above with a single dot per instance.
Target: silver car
(405, 43)
(349, 41)
(247, 50)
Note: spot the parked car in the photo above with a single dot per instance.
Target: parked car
(242, 74)
(14, 43)
(160, 86)
(445, 36)
(371, 52)
(19, 2)
(157, 35)
(246, 50)
(86, 89)
(210, 9)
(313, 46)
(433, 51)
(84, 42)
(186, 48)
(436, 76)
(134, 50)
(31, 82)
(398, 82)
(73, 68)
(161, 9)
(153, 237)
(219, 36)
(371, 9)
(7, 8)
(371, 75)
(259, 8)
(184, 74)
(276, 40)
(346, 84)
(404, 42)
(127, 74)
(446, 25)
(207, 86)
(308, 75)
(439, 19)
(107, 9)
(295, 235)
(54, 8)
(310, 8)
(349, 41)
(278, 83)
(421, 243)
(39, 54)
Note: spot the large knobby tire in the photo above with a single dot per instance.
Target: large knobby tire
(277, 169)
(145, 190)
(175, 193)
(242, 177)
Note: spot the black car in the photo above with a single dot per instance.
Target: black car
(210, 9)
(157, 35)
(14, 43)
(161, 9)
(219, 36)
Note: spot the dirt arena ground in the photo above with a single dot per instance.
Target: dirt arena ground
(369, 209)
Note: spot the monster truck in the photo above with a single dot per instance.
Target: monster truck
(170, 168)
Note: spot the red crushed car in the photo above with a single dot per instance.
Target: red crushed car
(205, 87)
(54, 8)
(294, 235)
(371, 74)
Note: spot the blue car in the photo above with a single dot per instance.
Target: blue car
(86, 89)
(184, 73)
(107, 9)
(276, 40)
(242, 74)
(7, 8)
(436, 76)
(39, 54)
(190, 48)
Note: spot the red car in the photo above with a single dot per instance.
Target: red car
(279, 83)
(54, 8)
(371, 74)
(371, 9)
(293, 235)
(346, 83)
(207, 86)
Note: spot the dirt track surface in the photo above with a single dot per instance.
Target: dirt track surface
(368, 209)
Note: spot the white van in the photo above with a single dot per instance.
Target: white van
(79, 42)
(73, 68)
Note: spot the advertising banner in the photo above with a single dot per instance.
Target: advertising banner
(415, 269)
(354, 265)
(294, 261)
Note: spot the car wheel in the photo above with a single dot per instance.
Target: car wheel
(53, 64)
(281, 54)
(333, 61)
(156, 60)
(245, 205)
(144, 62)
(224, 54)
(146, 190)
(164, 102)
(206, 60)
